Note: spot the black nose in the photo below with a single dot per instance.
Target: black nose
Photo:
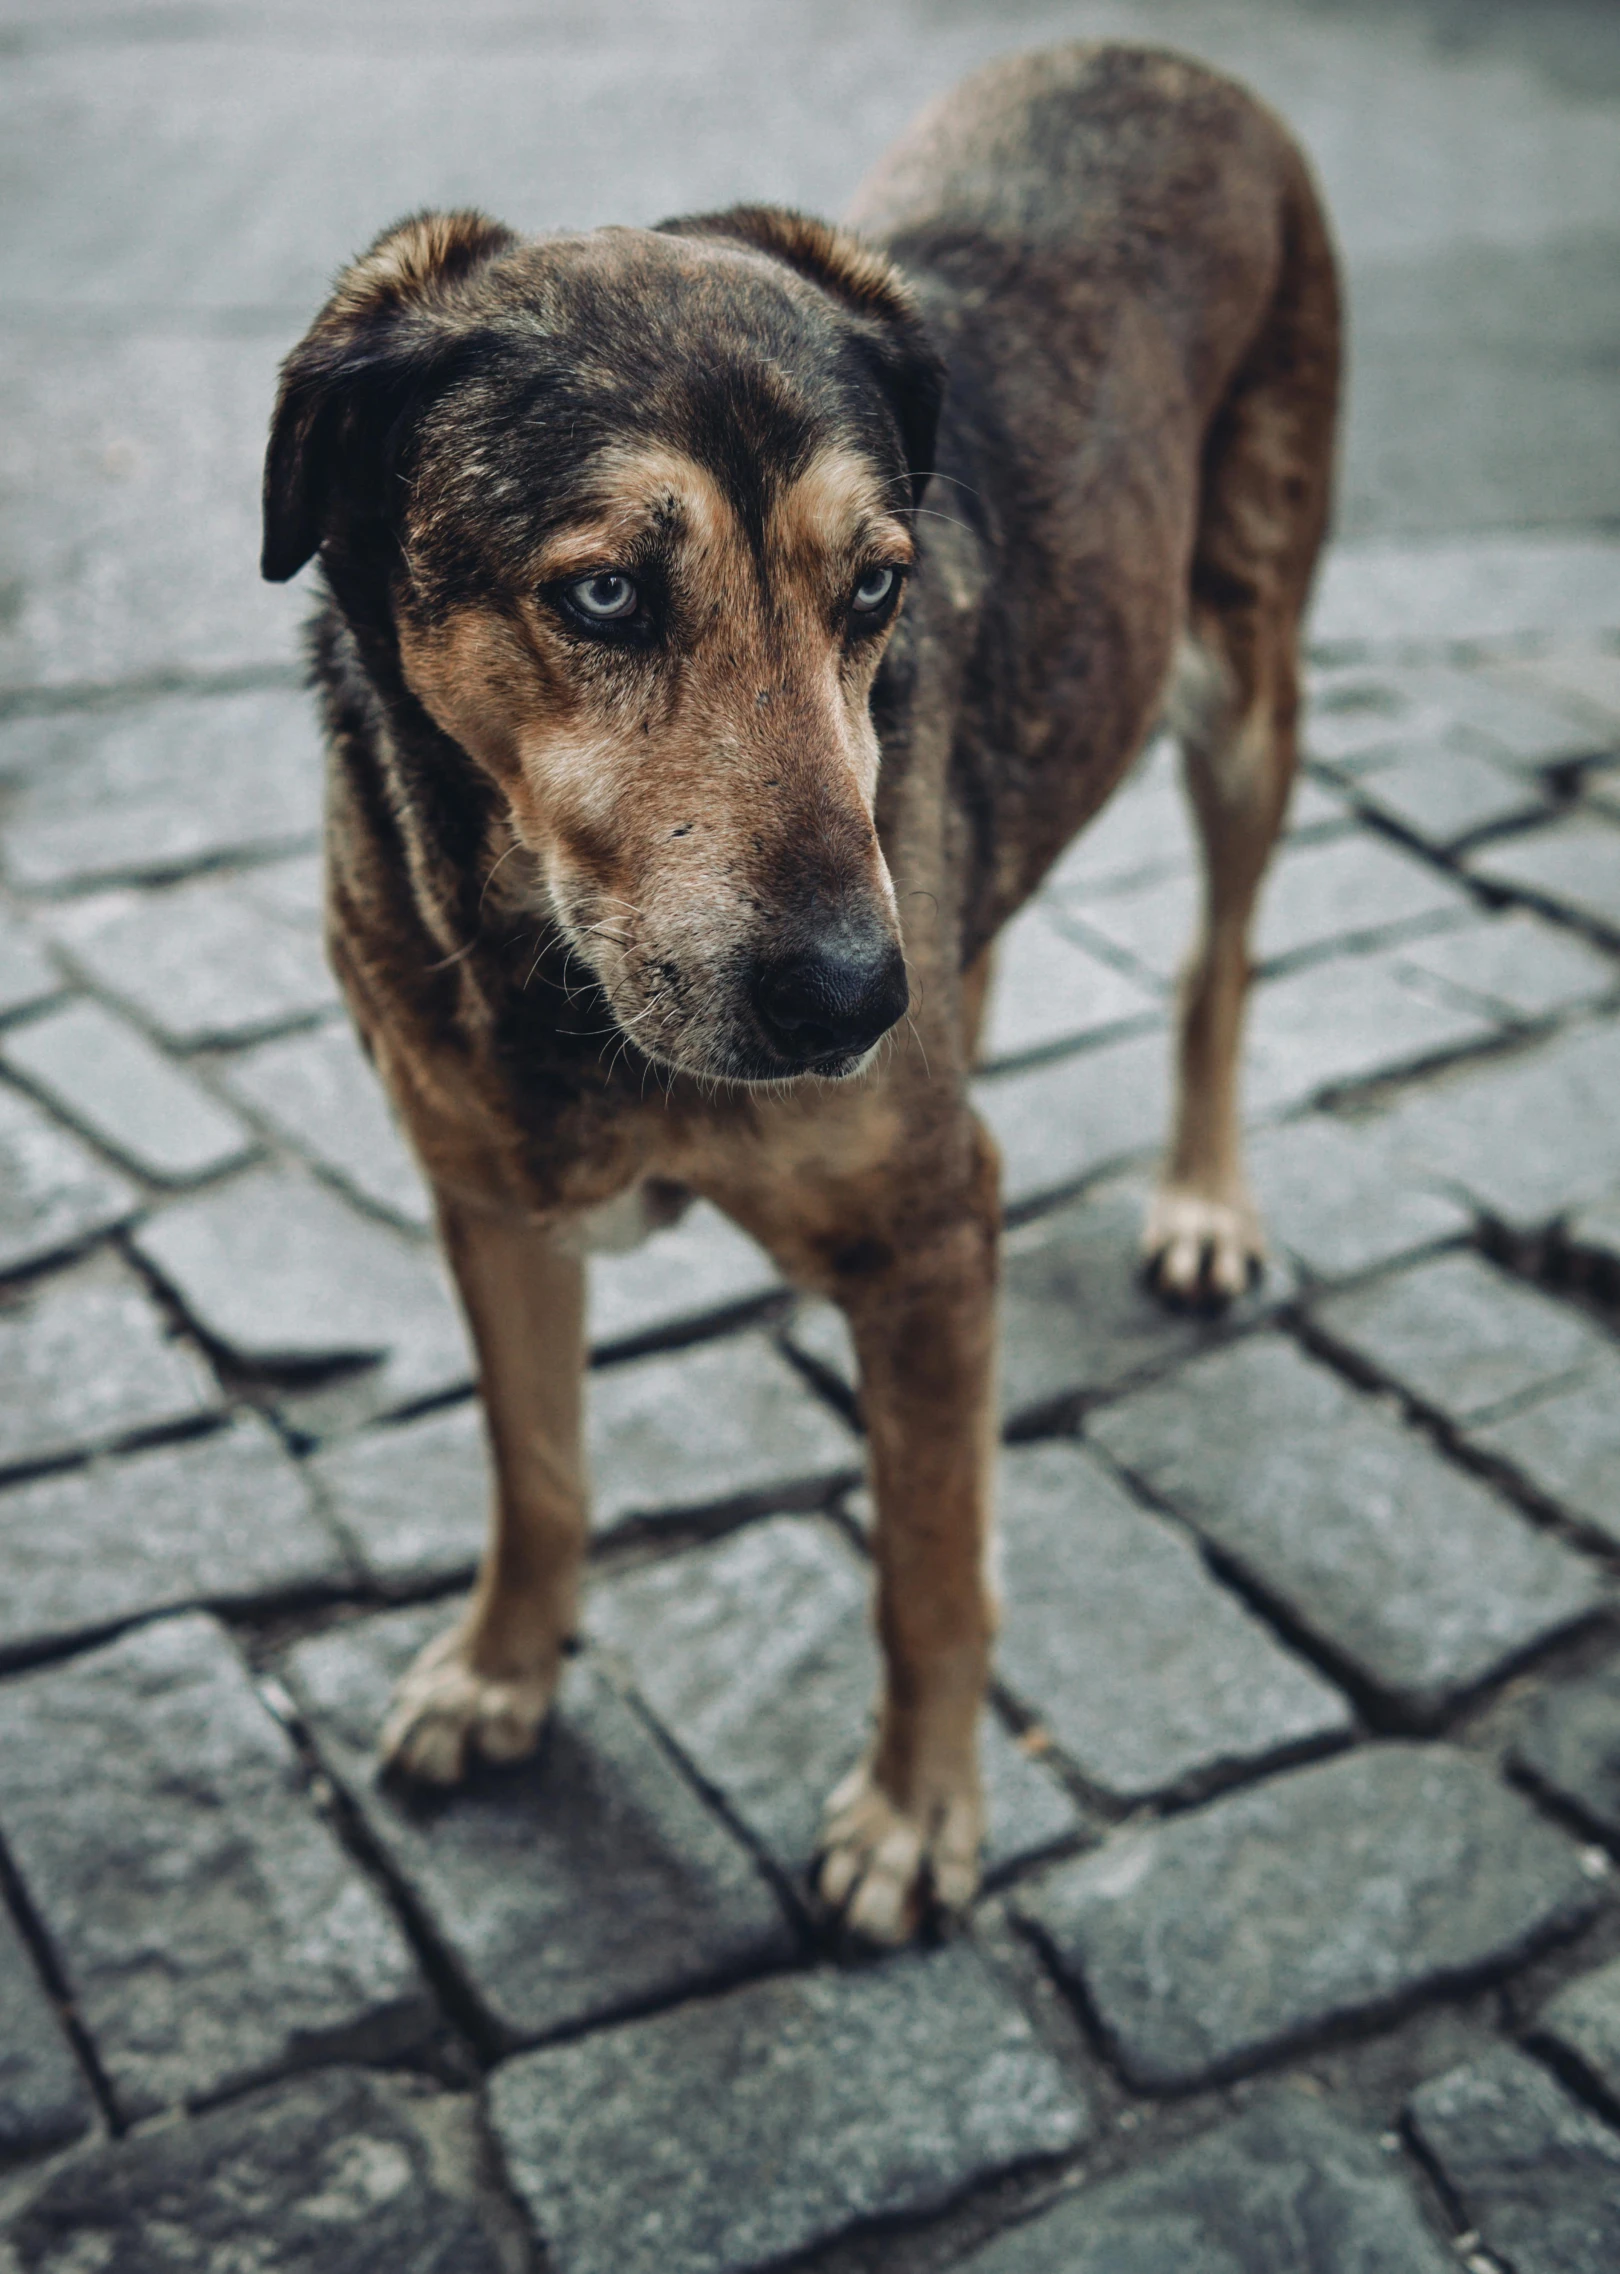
(836, 999)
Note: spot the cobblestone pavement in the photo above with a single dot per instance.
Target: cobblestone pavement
(1300, 1951)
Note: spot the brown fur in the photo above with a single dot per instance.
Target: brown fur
(621, 909)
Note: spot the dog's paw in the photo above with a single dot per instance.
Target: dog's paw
(1200, 1251)
(883, 1868)
(445, 1711)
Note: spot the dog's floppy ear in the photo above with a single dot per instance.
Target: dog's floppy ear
(346, 388)
(865, 282)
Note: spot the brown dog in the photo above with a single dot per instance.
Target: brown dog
(652, 815)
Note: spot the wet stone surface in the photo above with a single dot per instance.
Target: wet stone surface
(1537, 2175)
(757, 1656)
(1152, 1679)
(44, 2099)
(210, 1929)
(1412, 1575)
(1368, 1879)
(728, 2136)
(411, 1497)
(1330, 1196)
(1565, 1446)
(1286, 2189)
(579, 1884)
(341, 2173)
(1583, 2024)
(1570, 1744)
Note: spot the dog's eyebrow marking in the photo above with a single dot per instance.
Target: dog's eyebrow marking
(635, 492)
(839, 503)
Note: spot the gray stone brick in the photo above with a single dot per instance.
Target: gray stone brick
(1447, 592)
(727, 1424)
(54, 1193)
(221, 959)
(1365, 716)
(1573, 864)
(85, 1361)
(1155, 1682)
(317, 1091)
(103, 1074)
(1355, 1018)
(1566, 1446)
(1570, 1745)
(412, 1498)
(1577, 677)
(159, 787)
(27, 974)
(339, 2173)
(1363, 713)
(1516, 964)
(1529, 1137)
(1537, 2175)
(1593, 1232)
(281, 1272)
(701, 1269)
(1366, 1881)
(1583, 2023)
(1441, 793)
(732, 2134)
(1288, 2188)
(1144, 830)
(1331, 1196)
(757, 1655)
(567, 1888)
(209, 1927)
(224, 1519)
(1459, 1336)
(1402, 1568)
(1059, 1124)
(44, 2100)
(1047, 991)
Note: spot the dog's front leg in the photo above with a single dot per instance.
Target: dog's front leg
(485, 1684)
(904, 1828)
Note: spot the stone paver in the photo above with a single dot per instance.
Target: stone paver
(1574, 865)
(1570, 1745)
(209, 1927)
(1144, 830)
(1216, 1938)
(566, 1889)
(1058, 1124)
(1537, 2175)
(1459, 1335)
(412, 1497)
(1047, 990)
(1331, 1196)
(317, 1091)
(757, 1656)
(1516, 963)
(1114, 1637)
(340, 2173)
(700, 1271)
(1583, 2022)
(1565, 1448)
(104, 1074)
(725, 1425)
(219, 960)
(44, 2099)
(1442, 793)
(1289, 2188)
(730, 2135)
(1579, 679)
(224, 1519)
(1403, 1569)
(27, 974)
(165, 786)
(1352, 1019)
(86, 1361)
(281, 1272)
(1528, 1137)
(55, 1195)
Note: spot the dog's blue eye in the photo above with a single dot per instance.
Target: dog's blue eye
(874, 589)
(605, 598)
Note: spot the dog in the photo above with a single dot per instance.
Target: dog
(726, 625)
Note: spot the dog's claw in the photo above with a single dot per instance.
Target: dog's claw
(444, 1712)
(883, 1868)
(1200, 1250)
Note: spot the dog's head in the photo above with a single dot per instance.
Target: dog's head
(642, 503)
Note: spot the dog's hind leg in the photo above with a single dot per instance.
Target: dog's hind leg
(1263, 509)
(485, 1684)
